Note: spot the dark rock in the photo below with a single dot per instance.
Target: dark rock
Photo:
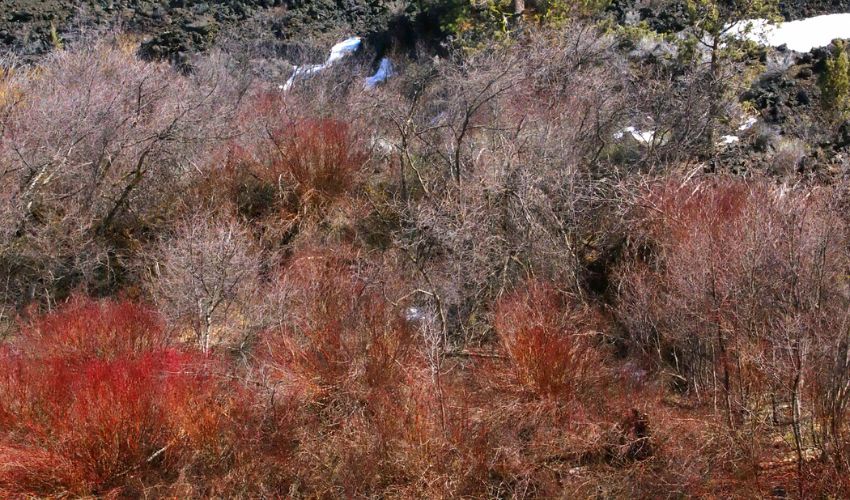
(803, 97)
(842, 140)
(805, 73)
(201, 8)
(26, 24)
(20, 16)
(763, 140)
(800, 9)
(204, 26)
(820, 56)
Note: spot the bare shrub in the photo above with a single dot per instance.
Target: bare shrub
(788, 157)
(96, 150)
(346, 355)
(674, 109)
(731, 293)
(334, 330)
(206, 275)
(486, 167)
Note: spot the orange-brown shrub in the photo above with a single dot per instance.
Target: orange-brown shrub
(548, 340)
(86, 328)
(718, 263)
(346, 356)
(337, 334)
(731, 287)
(94, 402)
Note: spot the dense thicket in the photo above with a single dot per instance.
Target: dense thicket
(474, 280)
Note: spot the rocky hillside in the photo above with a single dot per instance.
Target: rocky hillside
(174, 29)
(31, 28)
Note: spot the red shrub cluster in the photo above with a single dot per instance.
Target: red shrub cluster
(710, 207)
(103, 419)
(295, 173)
(320, 156)
(93, 401)
(83, 328)
(548, 339)
(301, 163)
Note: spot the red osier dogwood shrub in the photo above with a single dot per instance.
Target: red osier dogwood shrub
(87, 328)
(545, 338)
(90, 422)
(320, 156)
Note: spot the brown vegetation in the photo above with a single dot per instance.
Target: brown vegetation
(459, 284)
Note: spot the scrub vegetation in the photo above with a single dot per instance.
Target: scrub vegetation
(512, 271)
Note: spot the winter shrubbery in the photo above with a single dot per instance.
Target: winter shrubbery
(449, 286)
(96, 402)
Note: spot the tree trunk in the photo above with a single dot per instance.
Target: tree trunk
(519, 7)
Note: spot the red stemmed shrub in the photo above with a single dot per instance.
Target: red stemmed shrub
(320, 156)
(547, 339)
(348, 357)
(732, 287)
(93, 402)
(301, 171)
(337, 334)
(94, 329)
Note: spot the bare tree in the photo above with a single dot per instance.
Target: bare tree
(496, 160)
(93, 157)
(206, 275)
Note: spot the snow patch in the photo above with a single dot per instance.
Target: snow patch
(414, 314)
(748, 123)
(641, 136)
(382, 145)
(338, 51)
(385, 70)
(348, 46)
(801, 36)
(729, 139)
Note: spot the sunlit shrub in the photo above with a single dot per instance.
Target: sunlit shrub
(100, 423)
(85, 328)
(548, 340)
(94, 401)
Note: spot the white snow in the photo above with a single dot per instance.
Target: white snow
(641, 136)
(414, 314)
(338, 51)
(729, 139)
(383, 145)
(343, 48)
(302, 71)
(748, 123)
(385, 70)
(802, 35)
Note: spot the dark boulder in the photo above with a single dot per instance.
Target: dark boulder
(842, 139)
